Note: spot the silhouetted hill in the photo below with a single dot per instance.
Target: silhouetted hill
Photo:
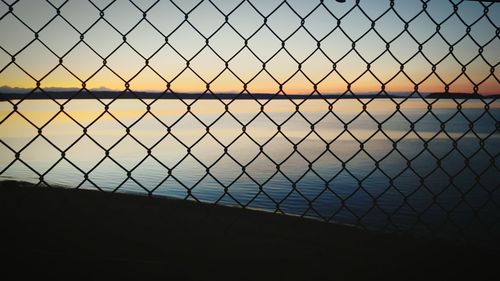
(7, 93)
(17, 90)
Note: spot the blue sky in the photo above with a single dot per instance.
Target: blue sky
(265, 25)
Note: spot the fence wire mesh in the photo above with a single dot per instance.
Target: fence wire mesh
(352, 34)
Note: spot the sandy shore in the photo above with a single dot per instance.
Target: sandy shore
(78, 233)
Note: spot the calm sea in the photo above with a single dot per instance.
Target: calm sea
(424, 178)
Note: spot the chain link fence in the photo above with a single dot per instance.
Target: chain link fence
(332, 101)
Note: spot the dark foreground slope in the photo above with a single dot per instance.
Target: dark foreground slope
(87, 234)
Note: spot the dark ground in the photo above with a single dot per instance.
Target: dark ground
(81, 234)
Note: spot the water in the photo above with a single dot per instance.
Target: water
(450, 187)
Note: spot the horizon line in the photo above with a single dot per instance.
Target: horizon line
(8, 90)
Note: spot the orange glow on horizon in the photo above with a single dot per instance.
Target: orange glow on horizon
(193, 84)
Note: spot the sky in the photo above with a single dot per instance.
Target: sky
(146, 25)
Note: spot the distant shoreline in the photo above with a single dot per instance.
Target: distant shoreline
(223, 96)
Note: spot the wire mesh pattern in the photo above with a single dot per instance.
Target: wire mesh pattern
(280, 84)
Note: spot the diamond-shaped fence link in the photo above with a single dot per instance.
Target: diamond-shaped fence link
(346, 130)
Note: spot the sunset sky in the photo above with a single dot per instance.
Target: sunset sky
(247, 18)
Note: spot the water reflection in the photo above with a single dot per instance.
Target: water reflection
(421, 176)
